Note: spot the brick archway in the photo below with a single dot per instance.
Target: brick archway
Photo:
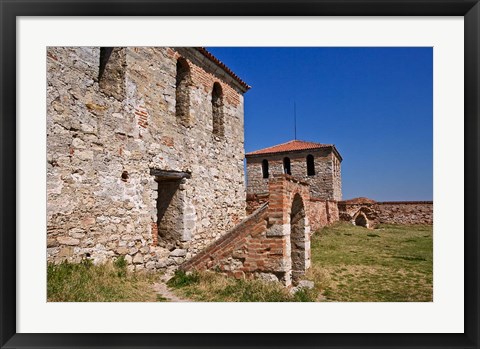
(288, 220)
(272, 243)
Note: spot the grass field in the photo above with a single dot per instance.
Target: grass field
(85, 282)
(216, 287)
(393, 263)
(349, 264)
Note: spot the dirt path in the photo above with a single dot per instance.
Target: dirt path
(163, 290)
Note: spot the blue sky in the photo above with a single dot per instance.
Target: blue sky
(374, 104)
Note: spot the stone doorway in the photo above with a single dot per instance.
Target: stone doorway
(171, 203)
(298, 239)
(361, 220)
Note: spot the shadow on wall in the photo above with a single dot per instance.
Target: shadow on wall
(297, 238)
(169, 212)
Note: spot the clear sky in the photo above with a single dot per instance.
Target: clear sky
(374, 104)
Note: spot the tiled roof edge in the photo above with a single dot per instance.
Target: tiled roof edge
(214, 59)
(264, 151)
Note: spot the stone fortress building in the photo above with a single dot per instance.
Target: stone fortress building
(145, 151)
(314, 163)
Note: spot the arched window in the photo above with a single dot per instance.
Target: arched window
(182, 93)
(265, 168)
(217, 110)
(286, 166)
(310, 166)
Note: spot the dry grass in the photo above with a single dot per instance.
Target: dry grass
(86, 282)
(215, 287)
(349, 264)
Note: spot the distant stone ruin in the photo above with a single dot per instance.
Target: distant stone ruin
(369, 213)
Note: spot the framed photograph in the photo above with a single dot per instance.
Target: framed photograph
(91, 93)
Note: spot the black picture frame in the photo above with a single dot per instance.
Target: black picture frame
(470, 9)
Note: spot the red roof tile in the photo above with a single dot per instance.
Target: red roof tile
(214, 59)
(290, 146)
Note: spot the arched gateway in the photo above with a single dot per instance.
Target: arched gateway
(361, 219)
(299, 239)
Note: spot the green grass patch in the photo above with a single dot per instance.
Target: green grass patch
(182, 279)
(393, 263)
(85, 282)
(349, 264)
(394, 266)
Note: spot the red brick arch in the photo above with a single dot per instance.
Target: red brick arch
(274, 240)
(282, 190)
(288, 206)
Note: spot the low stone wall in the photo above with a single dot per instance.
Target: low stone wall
(322, 213)
(333, 212)
(388, 212)
(317, 214)
(411, 212)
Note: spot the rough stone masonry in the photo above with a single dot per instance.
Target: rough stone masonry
(145, 150)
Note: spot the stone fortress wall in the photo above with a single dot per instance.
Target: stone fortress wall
(145, 150)
(405, 212)
(389, 212)
(117, 144)
(322, 213)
